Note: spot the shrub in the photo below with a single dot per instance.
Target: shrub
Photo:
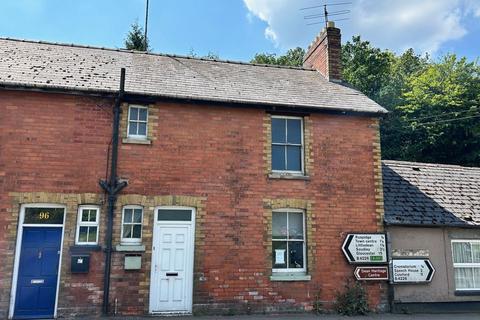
(353, 301)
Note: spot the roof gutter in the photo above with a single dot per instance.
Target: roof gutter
(112, 187)
(131, 96)
(430, 225)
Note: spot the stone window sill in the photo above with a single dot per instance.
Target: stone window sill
(136, 141)
(290, 277)
(129, 248)
(287, 176)
(467, 293)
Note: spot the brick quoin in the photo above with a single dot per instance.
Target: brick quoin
(55, 145)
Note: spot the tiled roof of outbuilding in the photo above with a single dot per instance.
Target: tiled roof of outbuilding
(80, 68)
(431, 194)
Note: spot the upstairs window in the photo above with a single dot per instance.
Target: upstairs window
(287, 144)
(288, 241)
(466, 264)
(137, 122)
(132, 224)
(87, 225)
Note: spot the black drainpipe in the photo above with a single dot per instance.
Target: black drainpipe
(112, 188)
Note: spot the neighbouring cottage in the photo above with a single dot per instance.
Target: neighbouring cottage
(432, 211)
(232, 188)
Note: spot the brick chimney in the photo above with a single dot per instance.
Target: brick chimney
(325, 53)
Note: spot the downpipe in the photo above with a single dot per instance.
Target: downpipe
(112, 187)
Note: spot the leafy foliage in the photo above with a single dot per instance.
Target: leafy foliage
(210, 55)
(352, 301)
(442, 108)
(136, 39)
(293, 58)
(430, 103)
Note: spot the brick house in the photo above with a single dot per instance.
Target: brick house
(242, 181)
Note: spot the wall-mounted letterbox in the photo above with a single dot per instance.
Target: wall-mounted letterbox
(133, 262)
(80, 263)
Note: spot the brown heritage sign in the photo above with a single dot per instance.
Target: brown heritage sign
(371, 273)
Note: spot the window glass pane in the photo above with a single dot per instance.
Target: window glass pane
(279, 225)
(461, 252)
(127, 217)
(295, 225)
(133, 113)
(85, 213)
(142, 116)
(279, 254)
(294, 131)
(142, 129)
(174, 215)
(137, 217)
(294, 158)
(278, 130)
(476, 252)
(137, 231)
(295, 259)
(92, 234)
(463, 278)
(476, 278)
(132, 128)
(92, 215)
(82, 234)
(127, 231)
(278, 157)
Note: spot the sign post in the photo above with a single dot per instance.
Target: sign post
(365, 248)
(412, 271)
(376, 273)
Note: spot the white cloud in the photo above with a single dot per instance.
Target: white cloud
(397, 25)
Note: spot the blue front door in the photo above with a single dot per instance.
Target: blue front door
(38, 272)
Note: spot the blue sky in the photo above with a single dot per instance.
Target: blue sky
(237, 29)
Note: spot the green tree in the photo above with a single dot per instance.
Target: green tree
(365, 67)
(293, 58)
(441, 110)
(135, 39)
(382, 75)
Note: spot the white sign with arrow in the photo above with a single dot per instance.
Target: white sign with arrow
(412, 270)
(365, 248)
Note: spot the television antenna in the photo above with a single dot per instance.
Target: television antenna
(326, 14)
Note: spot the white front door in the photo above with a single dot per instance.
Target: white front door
(172, 263)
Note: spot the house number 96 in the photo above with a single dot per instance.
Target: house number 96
(44, 215)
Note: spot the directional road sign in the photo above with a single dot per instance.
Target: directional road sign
(361, 248)
(412, 270)
(371, 273)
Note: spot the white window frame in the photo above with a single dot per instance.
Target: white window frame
(137, 136)
(302, 147)
(131, 241)
(81, 223)
(464, 265)
(292, 270)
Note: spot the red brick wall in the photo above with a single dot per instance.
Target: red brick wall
(58, 143)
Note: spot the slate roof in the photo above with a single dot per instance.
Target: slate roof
(431, 194)
(73, 67)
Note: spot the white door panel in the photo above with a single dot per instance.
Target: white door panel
(172, 268)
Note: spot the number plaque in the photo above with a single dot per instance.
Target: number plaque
(44, 215)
